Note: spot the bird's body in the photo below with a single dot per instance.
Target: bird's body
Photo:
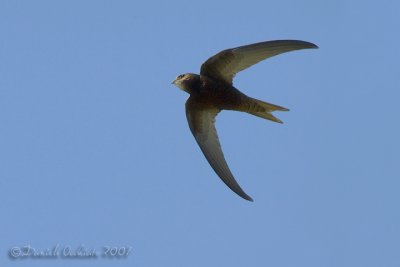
(212, 91)
(209, 93)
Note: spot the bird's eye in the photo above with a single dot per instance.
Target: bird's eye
(181, 76)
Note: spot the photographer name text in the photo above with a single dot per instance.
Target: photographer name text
(64, 252)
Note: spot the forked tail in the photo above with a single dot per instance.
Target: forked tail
(263, 109)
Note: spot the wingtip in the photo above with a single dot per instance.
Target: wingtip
(247, 197)
(308, 44)
(242, 194)
(314, 46)
(302, 44)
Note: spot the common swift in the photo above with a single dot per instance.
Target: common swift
(212, 91)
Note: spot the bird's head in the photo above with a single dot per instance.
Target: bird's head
(188, 82)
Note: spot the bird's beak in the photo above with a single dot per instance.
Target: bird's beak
(173, 82)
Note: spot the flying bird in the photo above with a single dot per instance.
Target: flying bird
(212, 91)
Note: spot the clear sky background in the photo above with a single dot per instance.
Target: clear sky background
(95, 149)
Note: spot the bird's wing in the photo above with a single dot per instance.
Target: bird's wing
(225, 64)
(202, 124)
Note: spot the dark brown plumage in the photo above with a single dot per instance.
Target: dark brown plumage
(212, 91)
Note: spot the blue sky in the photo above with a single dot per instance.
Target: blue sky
(95, 150)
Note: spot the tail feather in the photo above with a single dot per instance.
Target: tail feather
(263, 109)
(270, 107)
(266, 115)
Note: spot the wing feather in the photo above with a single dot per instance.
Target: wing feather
(225, 64)
(202, 124)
